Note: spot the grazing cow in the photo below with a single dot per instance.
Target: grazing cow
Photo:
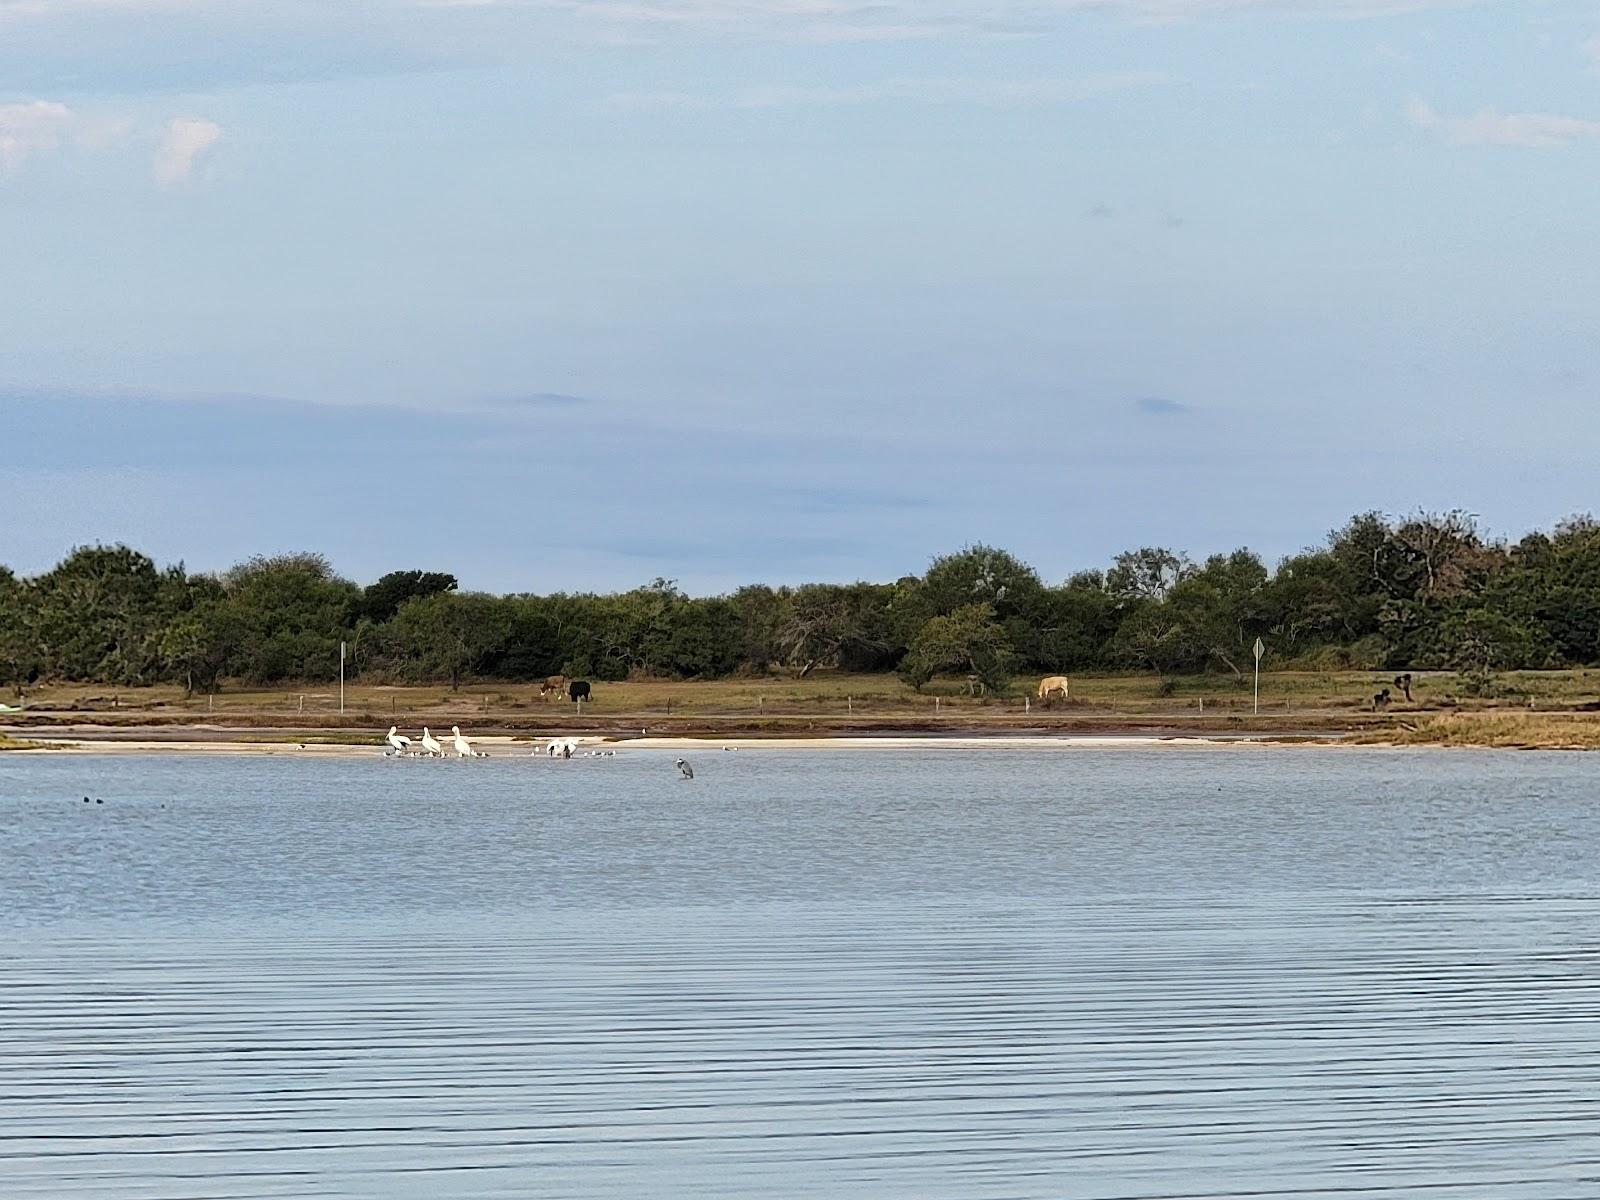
(577, 690)
(554, 685)
(1403, 682)
(1380, 700)
(1051, 684)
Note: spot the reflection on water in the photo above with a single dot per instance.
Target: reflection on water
(1080, 974)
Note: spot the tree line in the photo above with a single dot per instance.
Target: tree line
(1419, 592)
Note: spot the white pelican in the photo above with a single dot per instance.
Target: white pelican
(463, 747)
(398, 740)
(430, 744)
(685, 769)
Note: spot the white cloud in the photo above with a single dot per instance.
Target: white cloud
(31, 128)
(1488, 127)
(999, 92)
(185, 142)
(40, 127)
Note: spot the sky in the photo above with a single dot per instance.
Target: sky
(573, 294)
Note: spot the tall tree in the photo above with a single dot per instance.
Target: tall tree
(381, 600)
(967, 641)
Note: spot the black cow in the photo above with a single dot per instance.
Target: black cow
(577, 690)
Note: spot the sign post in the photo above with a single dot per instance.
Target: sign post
(1260, 649)
(341, 679)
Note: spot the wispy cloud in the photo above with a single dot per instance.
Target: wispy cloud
(813, 21)
(184, 143)
(1489, 127)
(537, 399)
(1160, 406)
(997, 92)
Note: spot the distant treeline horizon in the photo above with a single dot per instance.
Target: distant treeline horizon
(1425, 591)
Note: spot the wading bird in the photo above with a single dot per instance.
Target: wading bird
(398, 740)
(430, 744)
(463, 747)
(685, 769)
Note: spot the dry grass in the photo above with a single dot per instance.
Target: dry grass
(1502, 730)
(834, 695)
(1292, 703)
(11, 743)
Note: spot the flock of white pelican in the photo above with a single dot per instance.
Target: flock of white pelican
(400, 745)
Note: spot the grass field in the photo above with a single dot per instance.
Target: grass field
(1315, 701)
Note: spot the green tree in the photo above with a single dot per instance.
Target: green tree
(980, 574)
(196, 645)
(967, 641)
(381, 600)
(19, 657)
(291, 613)
(450, 635)
(99, 615)
(820, 624)
(1160, 638)
(1148, 573)
(1221, 607)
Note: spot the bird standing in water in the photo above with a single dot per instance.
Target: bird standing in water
(685, 769)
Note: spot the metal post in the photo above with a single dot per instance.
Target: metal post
(1259, 649)
(341, 679)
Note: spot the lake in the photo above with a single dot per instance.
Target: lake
(1114, 974)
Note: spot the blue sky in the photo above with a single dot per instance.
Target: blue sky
(566, 295)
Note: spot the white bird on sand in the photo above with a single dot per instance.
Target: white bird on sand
(685, 769)
(398, 740)
(430, 744)
(463, 747)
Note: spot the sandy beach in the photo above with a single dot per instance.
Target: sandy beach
(510, 747)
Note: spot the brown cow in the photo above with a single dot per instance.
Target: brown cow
(554, 685)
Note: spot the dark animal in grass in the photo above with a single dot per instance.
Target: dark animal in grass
(577, 690)
(1403, 682)
(1380, 700)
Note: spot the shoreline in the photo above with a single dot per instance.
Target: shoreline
(516, 747)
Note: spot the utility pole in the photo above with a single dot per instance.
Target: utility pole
(1260, 649)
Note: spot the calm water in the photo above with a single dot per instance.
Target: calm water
(1109, 974)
